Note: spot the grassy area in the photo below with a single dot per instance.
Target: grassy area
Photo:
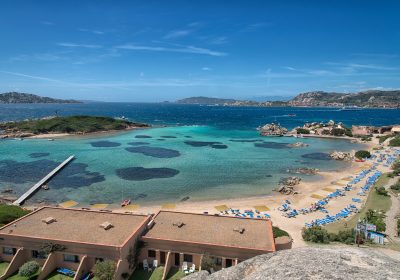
(3, 267)
(58, 276)
(175, 274)
(18, 277)
(141, 274)
(9, 213)
(374, 201)
(72, 124)
(279, 232)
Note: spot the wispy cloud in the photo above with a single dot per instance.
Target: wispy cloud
(178, 33)
(178, 49)
(356, 66)
(377, 55)
(75, 45)
(30, 76)
(206, 69)
(97, 32)
(47, 22)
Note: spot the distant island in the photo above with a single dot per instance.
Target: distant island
(71, 125)
(205, 101)
(19, 97)
(365, 99)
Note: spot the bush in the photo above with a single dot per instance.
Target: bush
(338, 131)
(207, 262)
(376, 219)
(362, 154)
(348, 132)
(346, 237)
(315, 234)
(396, 187)
(398, 227)
(302, 131)
(395, 142)
(9, 213)
(279, 232)
(28, 269)
(381, 191)
(104, 270)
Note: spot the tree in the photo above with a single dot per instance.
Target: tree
(362, 154)
(104, 270)
(28, 269)
(315, 234)
(50, 247)
(207, 262)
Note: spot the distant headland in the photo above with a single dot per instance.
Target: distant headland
(64, 126)
(346, 101)
(19, 97)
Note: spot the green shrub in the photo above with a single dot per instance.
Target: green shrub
(395, 142)
(207, 262)
(338, 131)
(346, 236)
(396, 187)
(104, 270)
(381, 191)
(384, 138)
(315, 234)
(279, 232)
(398, 226)
(9, 213)
(302, 131)
(348, 132)
(376, 219)
(362, 154)
(29, 269)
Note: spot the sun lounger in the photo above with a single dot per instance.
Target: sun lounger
(145, 264)
(66, 271)
(192, 269)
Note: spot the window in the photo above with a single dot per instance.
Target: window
(71, 258)
(187, 258)
(151, 253)
(9, 251)
(218, 261)
(99, 260)
(39, 254)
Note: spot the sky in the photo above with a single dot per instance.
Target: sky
(150, 51)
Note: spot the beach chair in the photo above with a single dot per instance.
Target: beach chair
(185, 268)
(192, 269)
(155, 263)
(66, 272)
(145, 264)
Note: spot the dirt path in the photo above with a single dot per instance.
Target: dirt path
(394, 211)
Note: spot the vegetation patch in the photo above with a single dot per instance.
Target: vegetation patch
(29, 269)
(279, 232)
(105, 270)
(362, 154)
(302, 131)
(395, 142)
(72, 124)
(9, 213)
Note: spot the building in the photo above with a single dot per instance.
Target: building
(175, 238)
(76, 239)
(361, 130)
(79, 238)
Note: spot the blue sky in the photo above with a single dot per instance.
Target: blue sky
(166, 50)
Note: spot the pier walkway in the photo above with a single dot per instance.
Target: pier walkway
(33, 189)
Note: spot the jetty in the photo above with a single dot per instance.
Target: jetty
(34, 188)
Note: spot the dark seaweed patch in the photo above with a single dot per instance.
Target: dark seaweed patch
(187, 136)
(168, 137)
(104, 144)
(73, 175)
(143, 136)
(272, 145)
(154, 151)
(38, 155)
(141, 173)
(161, 139)
(214, 145)
(317, 156)
(138, 143)
(246, 140)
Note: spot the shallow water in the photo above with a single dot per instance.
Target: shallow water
(219, 163)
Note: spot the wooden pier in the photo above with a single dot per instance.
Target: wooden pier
(34, 188)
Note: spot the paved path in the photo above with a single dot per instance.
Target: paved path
(393, 213)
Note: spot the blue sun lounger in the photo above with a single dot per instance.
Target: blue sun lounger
(66, 271)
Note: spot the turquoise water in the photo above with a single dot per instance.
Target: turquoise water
(167, 164)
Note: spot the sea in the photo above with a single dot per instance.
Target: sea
(191, 153)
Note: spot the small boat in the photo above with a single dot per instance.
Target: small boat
(45, 187)
(126, 202)
(291, 115)
(50, 139)
(360, 160)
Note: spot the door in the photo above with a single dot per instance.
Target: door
(229, 262)
(162, 257)
(177, 259)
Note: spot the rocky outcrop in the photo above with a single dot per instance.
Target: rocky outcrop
(336, 155)
(298, 145)
(272, 129)
(304, 170)
(311, 263)
(286, 185)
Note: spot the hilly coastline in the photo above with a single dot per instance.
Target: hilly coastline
(364, 99)
(19, 97)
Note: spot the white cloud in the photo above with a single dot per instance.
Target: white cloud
(206, 69)
(98, 32)
(75, 45)
(47, 22)
(181, 49)
(177, 33)
(30, 76)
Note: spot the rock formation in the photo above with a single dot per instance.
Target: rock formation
(272, 129)
(311, 263)
(286, 185)
(341, 156)
(298, 145)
